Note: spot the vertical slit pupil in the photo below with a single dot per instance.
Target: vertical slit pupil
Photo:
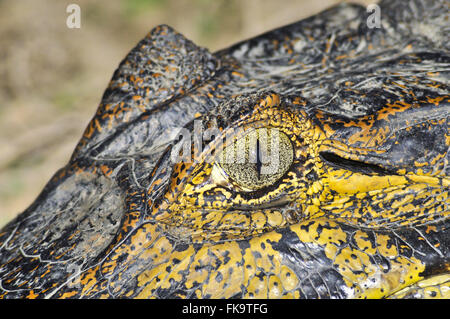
(258, 159)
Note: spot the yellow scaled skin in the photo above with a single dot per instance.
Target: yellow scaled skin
(239, 252)
(437, 287)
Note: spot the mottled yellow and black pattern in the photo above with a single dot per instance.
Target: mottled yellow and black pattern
(358, 203)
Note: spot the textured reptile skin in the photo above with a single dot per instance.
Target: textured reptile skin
(362, 210)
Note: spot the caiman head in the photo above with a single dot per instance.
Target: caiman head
(308, 162)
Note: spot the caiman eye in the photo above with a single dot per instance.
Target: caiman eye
(257, 159)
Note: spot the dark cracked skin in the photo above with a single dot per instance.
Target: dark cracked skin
(357, 208)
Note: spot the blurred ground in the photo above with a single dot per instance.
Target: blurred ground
(52, 77)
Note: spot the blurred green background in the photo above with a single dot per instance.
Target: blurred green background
(52, 77)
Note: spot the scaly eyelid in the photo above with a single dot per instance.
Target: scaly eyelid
(278, 202)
